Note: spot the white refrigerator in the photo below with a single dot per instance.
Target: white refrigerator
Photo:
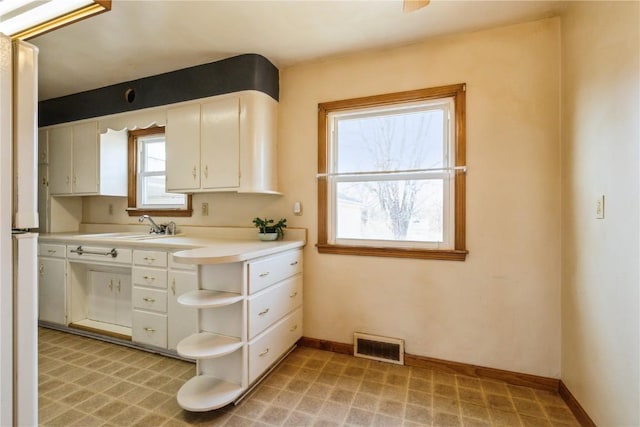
(18, 246)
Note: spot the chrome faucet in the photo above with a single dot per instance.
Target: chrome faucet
(155, 228)
(170, 228)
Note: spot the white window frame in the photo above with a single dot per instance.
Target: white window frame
(135, 179)
(143, 141)
(445, 173)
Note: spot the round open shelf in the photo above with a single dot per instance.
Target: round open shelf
(208, 299)
(205, 393)
(205, 345)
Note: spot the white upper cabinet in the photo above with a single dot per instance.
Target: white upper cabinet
(183, 147)
(224, 143)
(84, 162)
(84, 158)
(203, 146)
(43, 147)
(60, 143)
(220, 143)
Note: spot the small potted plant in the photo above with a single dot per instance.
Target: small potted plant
(269, 229)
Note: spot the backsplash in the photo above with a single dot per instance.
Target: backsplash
(225, 209)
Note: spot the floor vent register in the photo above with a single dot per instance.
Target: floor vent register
(383, 349)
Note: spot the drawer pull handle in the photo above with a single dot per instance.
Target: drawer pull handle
(173, 286)
(263, 312)
(293, 263)
(111, 284)
(265, 274)
(264, 353)
(293, 328)
(149, 259)
(52, 251)
(193, 172)
(118, 286)
(41, 269)
(293, 295)
(148, 277)
(149, 299)
(151, 330)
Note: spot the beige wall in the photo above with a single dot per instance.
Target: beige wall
(500, 308)
(600, 257)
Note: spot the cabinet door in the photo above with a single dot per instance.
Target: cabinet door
(52, 290)
(85, 158)
(60, 142)
(123, 300)
(220, 143)
(182, 321)
(102, 304)
(183, 148)
(43, 198)
(43, 146)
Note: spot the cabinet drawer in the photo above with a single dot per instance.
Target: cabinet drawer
(153, 277)
(273, 303)
(267, 271)
(149, 328)
(54, 251)
(149, 299)
(101, 254)
(150, 258)
(270, 346)
(181, 266)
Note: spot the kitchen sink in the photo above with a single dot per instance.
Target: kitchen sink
(127, 236)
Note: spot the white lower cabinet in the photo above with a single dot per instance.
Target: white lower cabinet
(149, 328)
(183, 319)
(243, 328)
(149, 298)
(110, 298)
(52, 279)
(268, 347)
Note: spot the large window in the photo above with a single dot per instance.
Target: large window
(147, 177)
(391, 175)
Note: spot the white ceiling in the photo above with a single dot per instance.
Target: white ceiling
(140, 38)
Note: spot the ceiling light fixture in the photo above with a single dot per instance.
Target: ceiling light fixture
(24, 19)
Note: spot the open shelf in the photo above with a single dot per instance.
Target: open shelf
(208, 299)
(205, 345)
(205, 393)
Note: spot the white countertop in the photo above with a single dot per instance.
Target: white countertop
(204, 249)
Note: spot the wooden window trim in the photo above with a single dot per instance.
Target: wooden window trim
(132, 208)
(459, 251)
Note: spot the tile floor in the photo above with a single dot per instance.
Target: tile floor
(85, 382)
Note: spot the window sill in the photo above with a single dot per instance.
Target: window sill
(439, 254)
(160, 212)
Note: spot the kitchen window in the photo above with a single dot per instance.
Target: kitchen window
(391, 175)
(147, 177)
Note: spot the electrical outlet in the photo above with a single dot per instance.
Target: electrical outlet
(205, 209)
(110, 209)
(600, 207)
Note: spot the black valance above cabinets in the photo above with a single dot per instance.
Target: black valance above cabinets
(243, 72)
